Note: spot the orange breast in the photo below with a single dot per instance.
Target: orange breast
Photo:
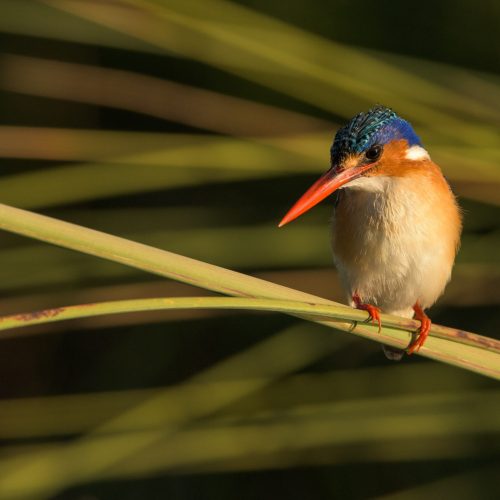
(386, 238)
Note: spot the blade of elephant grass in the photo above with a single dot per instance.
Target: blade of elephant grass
(466, 158)
(334, 313)
(205, 457)
(222, 280)
(472, 285)
(114, 179)
(191, 161)
(166, 100)
(211, 160)
(229, 246)
(427, 419)
(38, 20)
(72, 414)
(118, 179)
(63, 80)
(291, 50)
(57, 24)
(479, 86)
(214, 111)
(242, 32)
(174, 407)
(65, 144)
(294, 50)
(111, 17)
(341, 424)
(63, 296)
(159, 416)
(464, 412)
(170, 409)
(380, 453)
(277, 56)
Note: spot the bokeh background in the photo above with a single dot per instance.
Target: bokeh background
(192, 125)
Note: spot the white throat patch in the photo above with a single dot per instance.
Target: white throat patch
(374, 184)
(417, 153)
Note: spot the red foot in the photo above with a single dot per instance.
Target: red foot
(423, 332)
(373, 311)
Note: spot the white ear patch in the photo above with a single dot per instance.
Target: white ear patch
(417, 153)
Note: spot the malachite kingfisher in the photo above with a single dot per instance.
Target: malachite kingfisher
(396, 225)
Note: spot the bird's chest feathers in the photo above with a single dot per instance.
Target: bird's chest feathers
(394, 240)
(390, 227)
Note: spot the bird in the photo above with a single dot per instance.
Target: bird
(396, 225)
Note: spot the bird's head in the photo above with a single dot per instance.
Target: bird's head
(372, 147)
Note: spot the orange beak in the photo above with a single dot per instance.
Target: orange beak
(323, 187)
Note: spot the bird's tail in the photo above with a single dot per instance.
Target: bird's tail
(393, 353)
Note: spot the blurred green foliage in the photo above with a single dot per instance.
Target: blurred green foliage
(192, 125)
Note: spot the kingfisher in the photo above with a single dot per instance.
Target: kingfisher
(396, 224)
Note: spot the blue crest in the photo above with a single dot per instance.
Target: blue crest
(379, 125)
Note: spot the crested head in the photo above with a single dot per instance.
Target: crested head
(378, 126)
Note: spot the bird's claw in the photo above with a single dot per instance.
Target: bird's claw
(372, 310)
(423, 331)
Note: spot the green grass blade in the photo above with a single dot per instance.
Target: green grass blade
(78, 413)
(166, 100)
(230, 246)
(326, 312)
(274, 54)
(214, 278)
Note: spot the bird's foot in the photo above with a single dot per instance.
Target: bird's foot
(423, 332)
(373, 311)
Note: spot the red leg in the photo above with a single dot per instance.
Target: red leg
(373, 311)
(423, 333)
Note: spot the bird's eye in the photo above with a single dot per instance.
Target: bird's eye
(374, 152)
